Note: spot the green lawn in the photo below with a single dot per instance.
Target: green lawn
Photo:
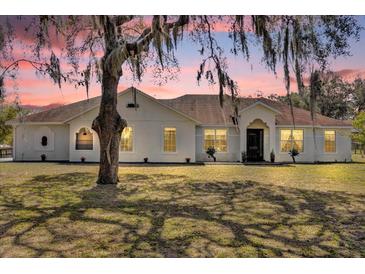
(358, 158)
(56, 210)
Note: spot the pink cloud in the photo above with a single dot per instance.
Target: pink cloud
(42, 91)
(351, 74)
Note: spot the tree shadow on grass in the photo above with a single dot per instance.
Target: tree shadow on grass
(161, 215)
(66, 178)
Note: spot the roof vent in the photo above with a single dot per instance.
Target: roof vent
(132, 105)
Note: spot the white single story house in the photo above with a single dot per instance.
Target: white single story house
(172, 130)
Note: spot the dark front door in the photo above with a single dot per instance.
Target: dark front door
(255, 144)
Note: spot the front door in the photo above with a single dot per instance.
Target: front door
(255, 144)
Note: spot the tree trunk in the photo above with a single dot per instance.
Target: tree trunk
(109, 126)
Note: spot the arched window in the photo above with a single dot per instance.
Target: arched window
(126, 141)
(44, 141)
(84, 139)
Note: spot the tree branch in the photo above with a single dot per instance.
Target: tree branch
(121, 53)
(15, 63)
(122, 19)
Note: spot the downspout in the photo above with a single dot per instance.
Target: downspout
(313, 116)
(315, 143)
(14, 140)
(235, 120)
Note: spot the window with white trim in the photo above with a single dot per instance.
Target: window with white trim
(169, 144)
(291, 138)
(126, 141)
(329, 141)
(216, 138)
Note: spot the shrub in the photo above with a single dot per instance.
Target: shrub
(272, 156)
(211, 151)
(244, 156)
(43, 157)
(293, 153)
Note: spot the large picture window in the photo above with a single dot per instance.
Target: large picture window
(84, 139)
(126, 142)
(216, 138)
(329, 141)
(291, 138)
(169, 134)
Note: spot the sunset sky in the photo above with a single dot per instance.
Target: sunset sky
(251, 76)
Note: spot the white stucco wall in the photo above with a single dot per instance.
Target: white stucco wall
(28, 142)
(148, 122)
(315, 151)
(233, 145)
(343, 146)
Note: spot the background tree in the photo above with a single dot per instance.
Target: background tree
(335, 97)
(114, 44)
(8, 112)
(359, 125)
(298, 101)
(358, 95)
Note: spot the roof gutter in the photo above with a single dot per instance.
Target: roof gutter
(316, 126)
(16, 123)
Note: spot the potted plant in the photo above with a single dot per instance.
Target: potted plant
(211, 151)
(272, 156)
(145, 159)
(187, 160)
(244, 156)
(82, 159)
(43, 157)
(293, 153)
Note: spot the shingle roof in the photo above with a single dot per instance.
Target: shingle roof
(63, 113)
(203, 108)
(206, 109)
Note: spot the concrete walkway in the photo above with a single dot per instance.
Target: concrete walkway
(6, 159)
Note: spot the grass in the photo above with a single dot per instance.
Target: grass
(358, 158)
(56, 210)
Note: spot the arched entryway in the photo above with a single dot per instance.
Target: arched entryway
(257, 143)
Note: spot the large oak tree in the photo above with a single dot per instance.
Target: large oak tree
(114, 44)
